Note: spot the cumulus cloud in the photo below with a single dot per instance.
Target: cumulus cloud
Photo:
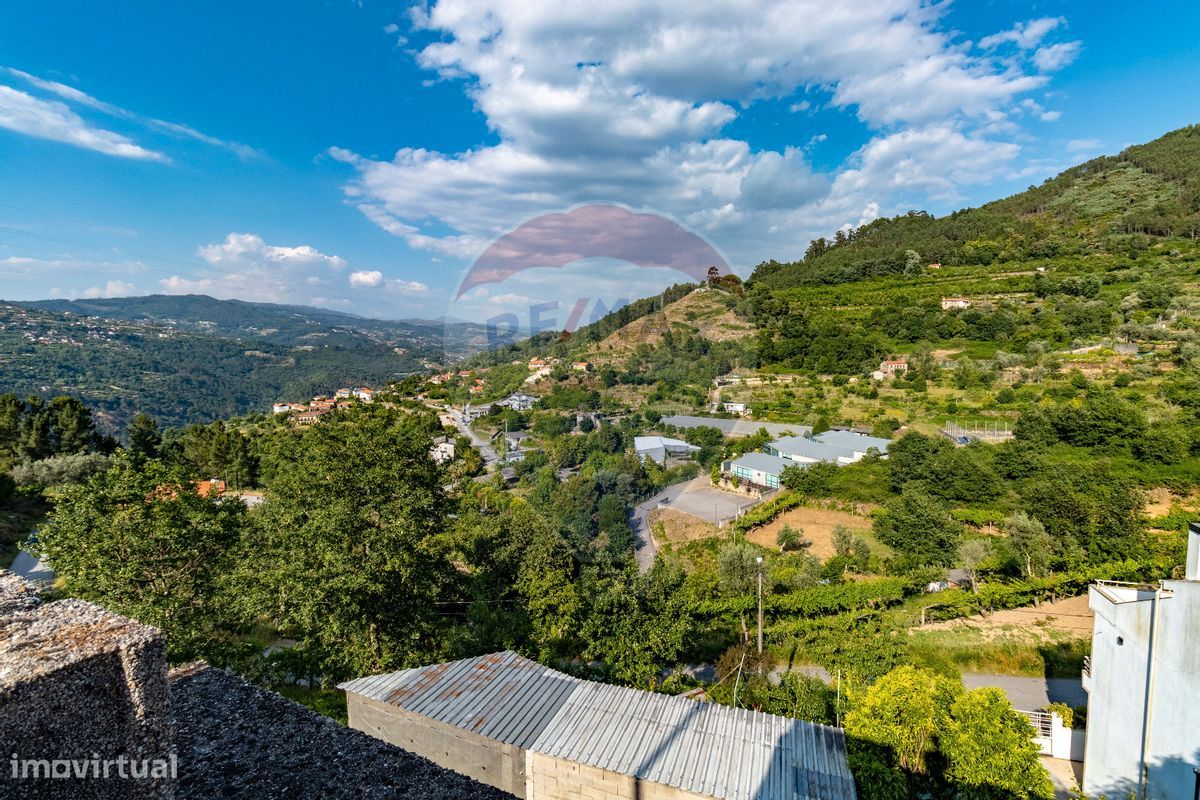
(365, 278)
(1056, 56)
(630, 102)
(110, 289)
(50, 119)
(241, 248)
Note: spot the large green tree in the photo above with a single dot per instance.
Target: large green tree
(142, 541)
(989, 750)
(920, 527)
(349, 553)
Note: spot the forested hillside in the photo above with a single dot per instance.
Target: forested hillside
(195, 359)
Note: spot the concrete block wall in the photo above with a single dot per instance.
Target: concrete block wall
(551, 778)
(81, 684)
(486, 760)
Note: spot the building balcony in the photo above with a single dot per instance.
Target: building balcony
(1085, 676)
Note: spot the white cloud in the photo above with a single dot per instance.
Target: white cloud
(1076, 145)
(110, 289)
(78, 97)
(50, 119)
(247, 247)
(1025, 35)
(367, 279)
(1056, 56)
(629, 101)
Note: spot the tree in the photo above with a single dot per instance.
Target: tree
(144, 437)
(919, 526)
(349, 550)
(143, 542)
(909, 457)
(737, 571)
(903, 711)
(971, 554)
(843, 541)
(635, 624)
(812, 480)
(789, 538)
(1161, 445)
(989, 749)
(1029, 542)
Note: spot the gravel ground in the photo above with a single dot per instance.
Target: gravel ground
(237, 740)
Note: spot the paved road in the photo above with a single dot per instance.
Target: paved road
(490, 456)
(1030, 694)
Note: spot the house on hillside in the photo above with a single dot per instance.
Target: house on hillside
(949, 303)
(442, 451)
(514, 440)
(890, 367)
(536, 363)
(281, 408)
(518, 401)
(365, 394)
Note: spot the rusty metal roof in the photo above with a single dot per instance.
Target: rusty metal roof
(705, 748)
(502, 696)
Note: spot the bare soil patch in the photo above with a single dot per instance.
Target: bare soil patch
(679, 527)
(817, 525)
(1070, 616)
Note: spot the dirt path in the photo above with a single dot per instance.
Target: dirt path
(1068, 616)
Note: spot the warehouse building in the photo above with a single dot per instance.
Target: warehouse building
(543, 735)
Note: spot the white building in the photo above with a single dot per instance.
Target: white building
(659, 447)
(949, 303)
(518, 401)
(760, 469)
(281, 408)
(443, 450)
(1143, 683)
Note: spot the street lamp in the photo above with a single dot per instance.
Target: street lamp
(759, 560)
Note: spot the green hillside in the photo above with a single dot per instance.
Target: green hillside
(1112, 204)
(196, 359)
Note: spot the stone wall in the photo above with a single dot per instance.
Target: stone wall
(486, 760)
(550, 778)
(83, 691)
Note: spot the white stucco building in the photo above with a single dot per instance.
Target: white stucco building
(1143, 682)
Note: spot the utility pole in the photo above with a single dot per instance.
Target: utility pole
(760, 641)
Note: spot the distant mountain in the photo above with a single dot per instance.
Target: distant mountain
(193, 358)
(1115, 204)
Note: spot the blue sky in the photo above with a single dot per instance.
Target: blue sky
(359, 156)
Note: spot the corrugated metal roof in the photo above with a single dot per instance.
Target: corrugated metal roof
(699, 747)
(735, 427)
(764, 462)
(502, 696)
(857, 442)
(809, 448)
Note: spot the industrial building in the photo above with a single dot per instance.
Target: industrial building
(658, 448)
(543, 735)
(1143, 684)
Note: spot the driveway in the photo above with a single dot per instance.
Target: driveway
(1030, 694)
(696, 498)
